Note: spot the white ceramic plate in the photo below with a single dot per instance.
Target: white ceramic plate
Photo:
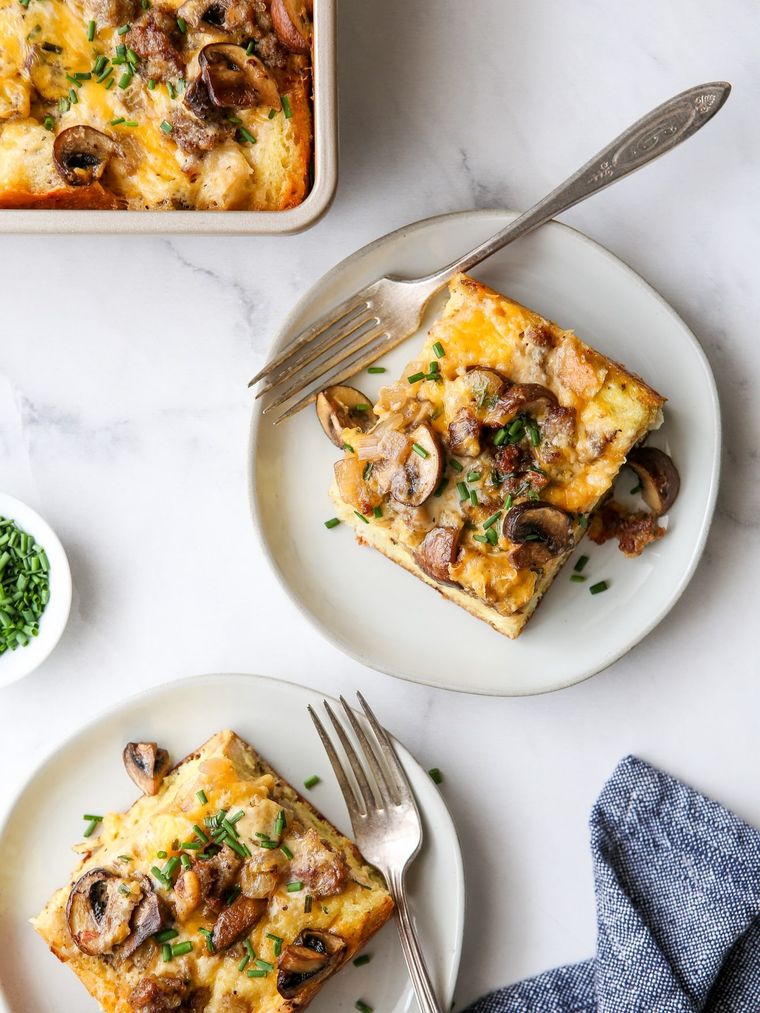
(85, 774)
(16, 664)
(384, 617)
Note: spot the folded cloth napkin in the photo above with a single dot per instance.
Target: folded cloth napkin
(677, 881)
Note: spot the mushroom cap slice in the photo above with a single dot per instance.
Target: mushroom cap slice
(417, 478)
(146, 764)
(436, 553)
(659, 478)
(540, 530)
(518, 398)
(99, 911)
(81, 154)
(336, 411)
(235, 79)
(292, 24)
(236, 921)
(213, 12)
(149, 917)
(308, 960)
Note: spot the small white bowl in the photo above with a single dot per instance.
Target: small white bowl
(16, 664)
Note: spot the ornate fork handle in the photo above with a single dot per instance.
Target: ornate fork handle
(653, 135)
(415, 961)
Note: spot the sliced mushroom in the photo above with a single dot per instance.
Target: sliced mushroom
(262, 873)
(437, 552)
(81, 154)
(213, 12)
(149, 917)
(518, 398)
(236, 921)
(337, 410)
(392, 450)
(418, 477)
(147, 765)
(308, 960)
(464, 433)
(659, 478)
(99, 910)
(292, 24)
(540, 530)
(236, 80)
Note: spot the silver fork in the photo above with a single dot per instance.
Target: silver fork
(374, 320)
(385, 820)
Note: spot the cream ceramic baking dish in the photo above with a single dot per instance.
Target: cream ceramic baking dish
(303, 215)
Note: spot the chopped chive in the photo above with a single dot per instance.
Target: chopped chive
(439, 350)
(185, 860)
(308, 901)
(581, 563)
(492, 519)
(246, 135)
(493, 536)
(286, 107)
(130, 123)
(295, 887)
(441, 487)
(508, 502)
(362, 960)
(166, 953)
(99, 64)
(272, 112)
(208, 936)
(376, 369)
(91, 31)
(420, 450)
(244, 963)
(110, 83)
(182, 25)
(256, 972)
(124, 858)
(377, 512)
(348, 447)
(160, 854)
(481, 538)
(122, 29)
(367, 470)
(73, 97)
(473, 497)
(249, 50)
(171, 90)
(264, 964)
(434, 367)
(125, 80)
(332, 523)
(436, 775)
(200, 834)
(83, 75)
(48, 123)
(473, 476)
(235, 120)
(415, 377)
(363, 1007)
(180, 949)
(151, 84)
(362, 407)
(463, 492)
(578, 578)
(104, 74)
(133, 59)
(310, 782)
(286, 851)
(361, 517)
(166, 127)
(166, 935)
(500, 438)
(278, 941)
(203, 799)
(636, 489)
(453, 463)
(157, 874)
(597, 588)
(92, 824)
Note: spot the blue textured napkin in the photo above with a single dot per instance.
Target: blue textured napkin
(677, 880)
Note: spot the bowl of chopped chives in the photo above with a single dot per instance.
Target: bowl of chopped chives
(35, 589)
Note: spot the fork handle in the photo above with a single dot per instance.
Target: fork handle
(659, 131)
(415, 961)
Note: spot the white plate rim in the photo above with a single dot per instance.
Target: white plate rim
(56, 613)
(210, 678)
(286, 326)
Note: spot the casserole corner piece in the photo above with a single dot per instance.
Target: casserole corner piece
(155, 105)
(162, 914)
(490, 454)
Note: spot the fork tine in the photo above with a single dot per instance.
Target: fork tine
(352, 803)
(337, 375)
(389, 753)
(356, 302)
(351, 326)
(341, 355)
(353, 759)
(371, 756)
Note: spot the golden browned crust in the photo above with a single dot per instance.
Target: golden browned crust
(68, 198)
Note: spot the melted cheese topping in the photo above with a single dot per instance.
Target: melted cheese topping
(612, 409)
(151, 171)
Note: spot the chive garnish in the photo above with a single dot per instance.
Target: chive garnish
(473, 497)
(243, 963)
(307, 903)
(361, 517)
(492, 536)
(508, 502)
(122, 29)
(171, 90)
(364, 958)
(332, 523)
(367, 470)
(249, 50)
(473, 476)
(636, 489)
(441, 486)
(166, 953)
(377, 512)
(151, 85)
(439, 350)
(480, 538)
(582, 560)
(272, 112)
(415, 377)
(264, 964)
(286, 851)
(199, 832)
(182, 25)
(310, 782)
(203, 799)
(180, 949)
(166, 935)
(500, 438)
(286, 107)
(166, 127)
(277, 940)
(363, 1007)
(348, 447)
(295, 886)
(48, 123)
(124, 81)
(92, 821)
(600, 586)
(453, 463)
(420, 450)
(91, 31)
(160, 854)
(376, 369)
(362, 407)
(73, 97)
(208, 936)
(492, 520)
(463, 492)
(577, 578)
(124, 858)
(257, 972)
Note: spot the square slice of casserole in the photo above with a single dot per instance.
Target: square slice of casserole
(245, 902)
(480, 467)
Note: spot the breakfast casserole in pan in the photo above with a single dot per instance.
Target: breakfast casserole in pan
(155, 104)
(220, 891)
(479, 470)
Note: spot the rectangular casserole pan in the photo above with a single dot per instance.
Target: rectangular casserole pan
(229, 223)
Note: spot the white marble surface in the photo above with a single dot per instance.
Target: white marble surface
(124, 413)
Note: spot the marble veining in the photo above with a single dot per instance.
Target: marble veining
(124, 414)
